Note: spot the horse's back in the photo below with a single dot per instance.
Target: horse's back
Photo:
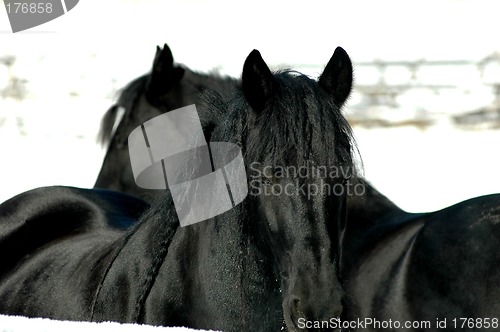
(432, 266)
(51, 240)
(41, 215)
(456, 259)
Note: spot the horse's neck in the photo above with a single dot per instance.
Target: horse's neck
(134, 268)
(364, 213)
(220, 259)
(236, 258)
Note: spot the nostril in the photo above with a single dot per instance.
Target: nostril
(304, 315)
(296, 309)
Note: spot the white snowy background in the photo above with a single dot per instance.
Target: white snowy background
(23, 324)
(58, 79)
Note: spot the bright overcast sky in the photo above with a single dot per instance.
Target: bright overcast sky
(221, 33)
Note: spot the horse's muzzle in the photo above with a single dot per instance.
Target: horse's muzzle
(299, 315)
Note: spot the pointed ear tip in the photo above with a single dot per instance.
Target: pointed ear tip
(254, 57)
(166, 54)
(166, 48)
(255, 53)
(251, 58)
(340, 50)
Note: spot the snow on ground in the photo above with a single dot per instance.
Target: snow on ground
(426, 170)
(23, 324)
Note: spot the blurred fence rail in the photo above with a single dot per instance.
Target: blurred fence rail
(386, 93)
(421, 92)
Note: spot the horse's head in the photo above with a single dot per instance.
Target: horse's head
(298, 156)
(167, 87)
(171, 86)
(143, 98)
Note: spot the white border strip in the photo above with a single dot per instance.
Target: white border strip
(23, 324)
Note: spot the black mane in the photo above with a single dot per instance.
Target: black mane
(289, 131)
(191, 85)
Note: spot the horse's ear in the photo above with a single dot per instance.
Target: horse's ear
(257, 81)
(164, 75)
(337, 76)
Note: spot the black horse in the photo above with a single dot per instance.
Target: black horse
(270, 262)
(375, 225)
(424, 271)
(167, 87)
